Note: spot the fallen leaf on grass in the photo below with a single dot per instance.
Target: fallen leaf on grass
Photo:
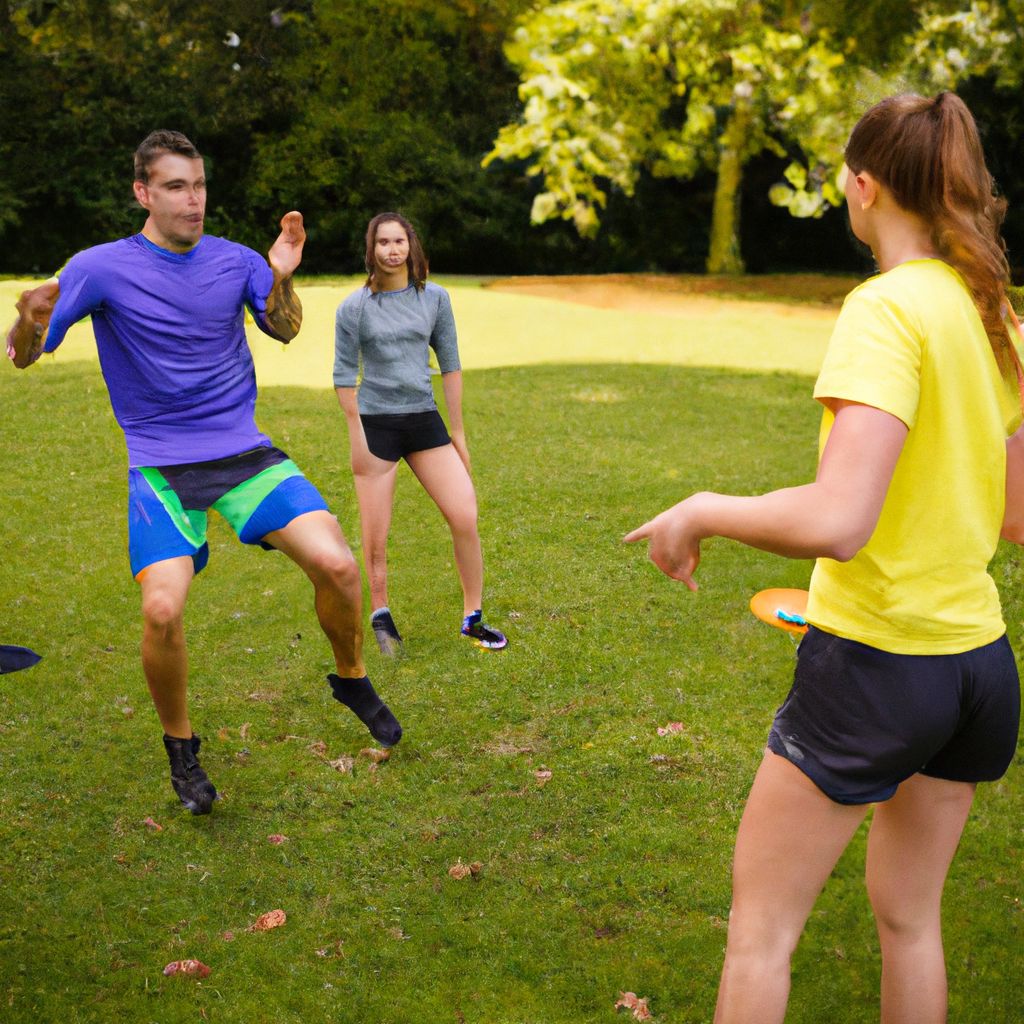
(243, 733)
(543, 777)
(277, 839)
(228, 936)
(155, 826)
(271, 919)
(374, 754)
(458, 870)
(196, 968)
(630, 1001)
(224, 734)
(343, 764)
(671, 727)
(319, 748)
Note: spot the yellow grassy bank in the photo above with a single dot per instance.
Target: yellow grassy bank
(608, 322)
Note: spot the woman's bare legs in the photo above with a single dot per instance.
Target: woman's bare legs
(375, 492)
(911, 845)
(789, 839)
(445, 478)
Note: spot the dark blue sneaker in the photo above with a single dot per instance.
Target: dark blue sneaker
(486, 637)
(389, 640)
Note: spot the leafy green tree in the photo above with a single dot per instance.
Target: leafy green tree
(610, 86)
(401, 102)
(88, 79)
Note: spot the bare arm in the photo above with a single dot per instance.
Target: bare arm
(284, 310)
(833, 517)
(1013, 516)
(359, 452)
(27, 335)
(452, 383)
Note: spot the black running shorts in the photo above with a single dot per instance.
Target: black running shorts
(393, 437)
(858, 720)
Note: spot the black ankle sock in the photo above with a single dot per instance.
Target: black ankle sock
(360, 696)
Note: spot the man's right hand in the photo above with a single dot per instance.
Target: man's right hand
(38, 302)
(26, 336)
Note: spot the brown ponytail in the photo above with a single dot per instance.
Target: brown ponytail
(927, 152)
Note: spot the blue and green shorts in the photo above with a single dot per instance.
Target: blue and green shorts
(257, 492)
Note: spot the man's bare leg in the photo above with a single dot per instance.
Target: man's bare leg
(165, 587)
(314, 541)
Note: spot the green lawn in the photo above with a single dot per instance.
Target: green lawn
(613, 876)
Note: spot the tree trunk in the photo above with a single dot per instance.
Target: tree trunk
(724, 255)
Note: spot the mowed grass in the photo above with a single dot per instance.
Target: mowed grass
(613, 876)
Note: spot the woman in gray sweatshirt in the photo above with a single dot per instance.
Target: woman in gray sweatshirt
(387, 329)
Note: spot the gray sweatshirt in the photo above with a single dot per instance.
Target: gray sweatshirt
(390, 334)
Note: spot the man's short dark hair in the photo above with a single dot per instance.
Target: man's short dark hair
(155, 144)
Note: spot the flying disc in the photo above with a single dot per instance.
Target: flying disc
(782, 608)
(13, 659)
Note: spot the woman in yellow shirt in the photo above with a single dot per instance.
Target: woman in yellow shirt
(906, 693)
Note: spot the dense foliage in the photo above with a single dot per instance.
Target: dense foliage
(342, 108)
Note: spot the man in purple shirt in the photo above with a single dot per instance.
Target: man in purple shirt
(168, 311)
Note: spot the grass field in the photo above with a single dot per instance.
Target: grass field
(612, 876)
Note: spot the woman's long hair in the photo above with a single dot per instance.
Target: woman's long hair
(927, 152)
(417, 261)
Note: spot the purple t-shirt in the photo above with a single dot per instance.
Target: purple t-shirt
(170, 333)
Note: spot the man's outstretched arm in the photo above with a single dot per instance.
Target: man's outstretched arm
(284, 311)
(28, 333)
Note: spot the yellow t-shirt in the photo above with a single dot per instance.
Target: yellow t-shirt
(911, 342)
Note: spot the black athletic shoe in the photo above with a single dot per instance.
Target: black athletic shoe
(189, 780)
(485, 636)
(389, 640)
(360, 696)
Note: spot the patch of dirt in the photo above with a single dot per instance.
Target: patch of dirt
(682, 293)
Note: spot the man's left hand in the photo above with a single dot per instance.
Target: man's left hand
(286, 253)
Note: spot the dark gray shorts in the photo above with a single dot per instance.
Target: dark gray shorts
(858, 721)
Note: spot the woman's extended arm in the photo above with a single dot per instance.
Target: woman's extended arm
(833, 517)
(452, 383)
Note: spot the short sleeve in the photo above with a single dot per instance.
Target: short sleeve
(346, 341)
(80, 295)
(874, 356)
(443, 338)
(258, 286)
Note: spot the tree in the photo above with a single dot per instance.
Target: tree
(610, 86)
(89, 79)
(401, 101)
